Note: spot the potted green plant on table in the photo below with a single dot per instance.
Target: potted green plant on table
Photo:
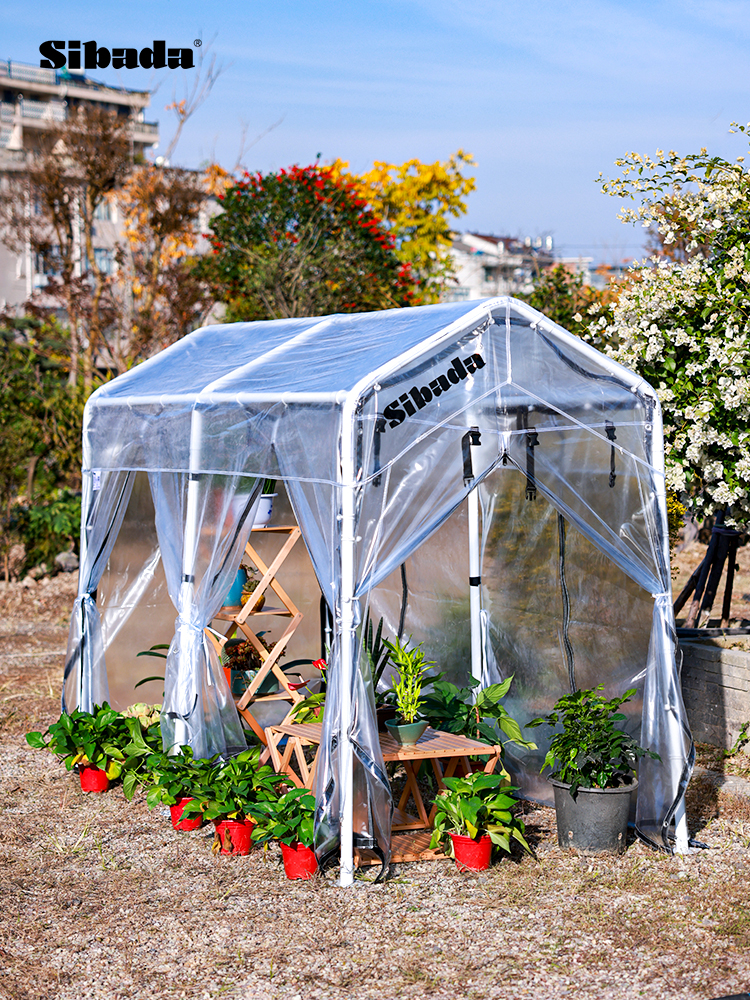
(471, 815)
(463, 710)
(290, 820)
(90, 742)
(592, 765)
(227, 794)
(407, 727)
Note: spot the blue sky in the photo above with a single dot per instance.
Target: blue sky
(544, 93)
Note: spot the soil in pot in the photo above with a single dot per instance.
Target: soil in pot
(235, 836)
(93, 779)
(190, 822)
(472, 855)
(596, 821)
(299, 861)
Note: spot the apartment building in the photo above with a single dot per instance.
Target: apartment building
(32, 101)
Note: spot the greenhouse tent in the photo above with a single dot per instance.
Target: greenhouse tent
(380, 425)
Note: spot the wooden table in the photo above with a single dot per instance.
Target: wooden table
(445, 751)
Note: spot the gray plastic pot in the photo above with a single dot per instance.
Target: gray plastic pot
(596, 821)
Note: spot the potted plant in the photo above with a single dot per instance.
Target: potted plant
(143, 724)
(249, 587)
(407, 727)
(462, 710)
(592, 765)
(241, 661)
(264, 510)
(90, 742)
(471, 815)
(289, 819)
(227, 794)
(177, 780)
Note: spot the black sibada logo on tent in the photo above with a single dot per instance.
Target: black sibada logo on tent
(91, 55)
(418, 397)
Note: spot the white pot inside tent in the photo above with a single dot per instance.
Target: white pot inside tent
(264, 510)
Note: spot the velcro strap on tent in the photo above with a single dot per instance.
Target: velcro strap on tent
(610, 429)
(532, 440)
(471, 437)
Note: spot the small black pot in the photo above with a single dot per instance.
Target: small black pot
(596, 821)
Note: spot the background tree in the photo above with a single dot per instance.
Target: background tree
(563, 297)
(301, 242)
(417, 202)
(40, 420)
(158, 296)
(683, 321)
(50, 208)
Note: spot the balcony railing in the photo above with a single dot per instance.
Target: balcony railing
(148, 128)
(53, 111)
(22, 71)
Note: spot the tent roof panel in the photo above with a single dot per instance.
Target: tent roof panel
(291, 355)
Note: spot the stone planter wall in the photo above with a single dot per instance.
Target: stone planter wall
(716, 688)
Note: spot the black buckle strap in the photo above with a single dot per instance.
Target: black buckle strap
(610, 429)
(471, 438)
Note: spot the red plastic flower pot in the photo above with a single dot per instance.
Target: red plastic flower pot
(235, 835)
(93, 779)
(472, 855)
(190, 822)
(299, 861)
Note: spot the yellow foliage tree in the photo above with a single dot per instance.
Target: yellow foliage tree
(159, 297)
(417, 202)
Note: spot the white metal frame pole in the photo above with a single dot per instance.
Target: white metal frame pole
(189, 544)
(347, 644)
(476, 627)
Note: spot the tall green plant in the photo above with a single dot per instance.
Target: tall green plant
(591, 751)
(411, 665)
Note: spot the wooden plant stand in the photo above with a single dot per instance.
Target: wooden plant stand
(410, 833)
(243, 620)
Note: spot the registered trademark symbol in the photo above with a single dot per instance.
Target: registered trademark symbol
(197, 43)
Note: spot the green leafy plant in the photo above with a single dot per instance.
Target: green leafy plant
(97, 738)
(144, 727)
(310, 709)
(377, 651)
(288, 819)
(475, 805)
(458, 710)
(411, 664)
(230, 789)
(591, 751)
(177, 776)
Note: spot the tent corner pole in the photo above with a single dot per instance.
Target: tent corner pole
(347, 648)
(474, 585)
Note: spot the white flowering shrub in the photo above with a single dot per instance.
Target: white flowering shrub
(682, 321)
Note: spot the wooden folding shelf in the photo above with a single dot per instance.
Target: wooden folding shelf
(243, 620)
(445, 751)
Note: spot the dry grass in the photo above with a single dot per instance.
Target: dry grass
(101, 898)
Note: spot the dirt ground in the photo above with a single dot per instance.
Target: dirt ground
(101, 898)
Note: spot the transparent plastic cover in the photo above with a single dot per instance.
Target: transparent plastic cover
(380, 425)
